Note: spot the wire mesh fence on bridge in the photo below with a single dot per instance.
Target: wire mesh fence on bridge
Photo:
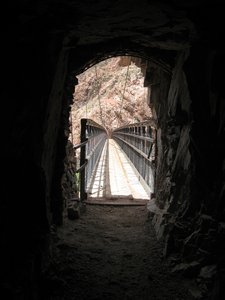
(138, 142)
(92, 140)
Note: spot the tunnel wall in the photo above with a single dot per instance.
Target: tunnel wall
(189, 107)
(33, 91)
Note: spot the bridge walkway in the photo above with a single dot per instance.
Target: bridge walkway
(115, 180)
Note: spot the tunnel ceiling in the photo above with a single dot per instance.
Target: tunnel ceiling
(90, 28)
(89, 22)
(148, 25)
(157, 24)
(132, 27)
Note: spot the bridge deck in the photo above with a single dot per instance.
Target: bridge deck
(115, 179)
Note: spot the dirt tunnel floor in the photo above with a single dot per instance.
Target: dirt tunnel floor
(112, 253)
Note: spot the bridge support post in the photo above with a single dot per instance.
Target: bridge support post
(83, 138)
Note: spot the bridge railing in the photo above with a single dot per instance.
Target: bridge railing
(92, 140)
(138, 142)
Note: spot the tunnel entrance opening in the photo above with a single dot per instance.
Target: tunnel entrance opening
(113, 94)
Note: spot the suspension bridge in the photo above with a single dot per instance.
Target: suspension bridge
(117, 168)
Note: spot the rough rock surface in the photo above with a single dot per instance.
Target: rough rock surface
(69, 181)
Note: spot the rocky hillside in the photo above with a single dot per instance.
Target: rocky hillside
(111, 93)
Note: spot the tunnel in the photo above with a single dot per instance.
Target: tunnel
(45, 45)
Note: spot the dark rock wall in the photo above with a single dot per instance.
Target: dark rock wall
(189, 185)
(29, 65)
(70, 180)
(55, 140)
(207, 205)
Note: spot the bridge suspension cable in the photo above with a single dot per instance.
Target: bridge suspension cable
(121, 106)
(99, 102)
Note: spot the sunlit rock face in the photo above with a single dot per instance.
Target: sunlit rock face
(111, 93)
(46, 45)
